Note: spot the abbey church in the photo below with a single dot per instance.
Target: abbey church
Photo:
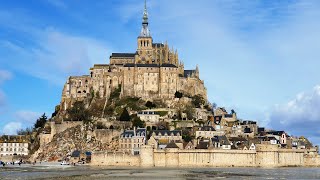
(154, 71)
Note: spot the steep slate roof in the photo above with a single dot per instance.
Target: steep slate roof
(237, 139)
(127, 133)
(141, 65)
(215, 139)
(130, 133)
(202, 145)
(163, 132)
(172, 145)
(247, 130)
(207, 128)
(149, 65)
(168, 65)
(157, 45)
(279, 133)
(123, 55)
(249, 122)
(189, 72)
(228, 115)
(141, 132)
(76, 153)
(223, 140)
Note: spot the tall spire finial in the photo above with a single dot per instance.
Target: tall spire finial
(145, 30)
(145, 13)
(145, 5)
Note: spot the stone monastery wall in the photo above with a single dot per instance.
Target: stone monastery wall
(208, 158)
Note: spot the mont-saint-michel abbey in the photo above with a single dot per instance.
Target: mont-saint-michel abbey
(153, 71)
(145, 109)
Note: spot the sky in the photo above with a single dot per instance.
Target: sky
(260, 58)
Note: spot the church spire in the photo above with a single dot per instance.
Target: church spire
(145, 32)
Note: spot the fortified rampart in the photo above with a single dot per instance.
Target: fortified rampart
(263, 156)
(114, 159)
(58, 128)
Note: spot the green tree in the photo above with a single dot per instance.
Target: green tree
(136, 122)
(186, 138)
(26, 131)
(189, 110)
(125, 115)
(178, 94)
(56, 110)
(115, 94)
(197, 101)
(100, 125)
(78, 112)
(97, 94)
(41, 121)
(150, 105)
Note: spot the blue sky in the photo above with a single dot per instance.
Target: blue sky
(260, 58)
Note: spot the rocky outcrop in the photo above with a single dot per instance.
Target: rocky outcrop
(81, 137)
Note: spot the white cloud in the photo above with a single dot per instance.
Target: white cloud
(5, 75)
(11, 128)
(27, 117)
(57, 55)
(300, 116)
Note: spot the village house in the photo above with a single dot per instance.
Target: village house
(206, 132)
(131, 140)
(281, 137)
(151, 118)
(159, 139)
(14, 145)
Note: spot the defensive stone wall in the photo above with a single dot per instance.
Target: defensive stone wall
(114, 159)
(204, 158)
(106, 135)
(66, 125)
(312, 161)
(267, 156)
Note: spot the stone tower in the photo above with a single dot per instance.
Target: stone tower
(145, 40)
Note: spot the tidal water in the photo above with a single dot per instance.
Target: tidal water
(91, 173)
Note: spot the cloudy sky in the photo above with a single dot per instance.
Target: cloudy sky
(260, 58)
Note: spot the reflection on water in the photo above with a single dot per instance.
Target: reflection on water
(87, 172)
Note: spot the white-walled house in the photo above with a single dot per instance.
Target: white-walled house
(14, 145)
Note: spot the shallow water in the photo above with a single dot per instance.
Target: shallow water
(90, 173)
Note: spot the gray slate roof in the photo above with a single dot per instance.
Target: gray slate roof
(189, 72)
(123, 55)
(163, 132)
(172, 145)
(157, 45)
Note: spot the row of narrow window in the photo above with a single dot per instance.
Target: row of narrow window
(144, 43)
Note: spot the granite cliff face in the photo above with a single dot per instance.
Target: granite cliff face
(81, 138)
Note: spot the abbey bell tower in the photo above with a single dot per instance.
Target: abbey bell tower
(145, 40)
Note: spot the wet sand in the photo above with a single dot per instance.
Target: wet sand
(56, 171)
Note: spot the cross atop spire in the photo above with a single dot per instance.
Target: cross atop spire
(145, 32)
